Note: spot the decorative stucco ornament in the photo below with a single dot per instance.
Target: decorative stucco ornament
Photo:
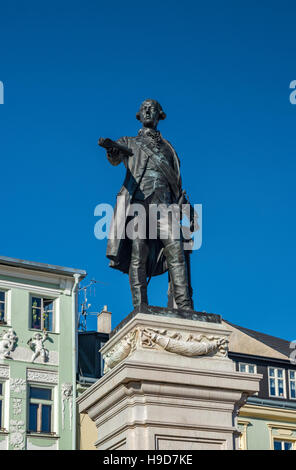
(175, 342)
(36, 343)
(17, 406)
(35, 375)
(4, 372)
(17, 385)
(7, 343)
(67, 397)
(17, 434)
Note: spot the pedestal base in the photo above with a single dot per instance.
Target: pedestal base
(169, 384)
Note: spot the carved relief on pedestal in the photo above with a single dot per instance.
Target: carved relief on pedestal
(120, 351)
(185, 344)
(7, 343)
(17, 434)
(67, 397)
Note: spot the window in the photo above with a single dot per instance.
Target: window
(42, 312)
(40, 410)
(282, 445)
(292, 383)
(276, 380)
(243, 441)
(248, 368)
(1, 404)
(2, 306)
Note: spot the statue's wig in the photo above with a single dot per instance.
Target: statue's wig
(162, 114)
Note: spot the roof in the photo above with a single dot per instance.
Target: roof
(33, 265)
(279, 344)
(93, 332)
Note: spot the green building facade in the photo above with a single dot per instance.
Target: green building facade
(38, 355)
(265, 427)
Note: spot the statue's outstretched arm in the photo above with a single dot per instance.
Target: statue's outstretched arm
(116, 150)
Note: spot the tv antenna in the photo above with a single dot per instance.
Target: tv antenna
(85, 306)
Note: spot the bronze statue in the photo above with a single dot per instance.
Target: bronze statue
(152, 177)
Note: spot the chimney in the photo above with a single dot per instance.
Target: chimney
(104, 321)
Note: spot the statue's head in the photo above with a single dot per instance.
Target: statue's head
(150, 113)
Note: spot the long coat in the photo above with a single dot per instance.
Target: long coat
(119, 248)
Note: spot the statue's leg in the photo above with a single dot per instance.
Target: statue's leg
(35, 355)
(174, 254)
(173, 250)
(137, 272)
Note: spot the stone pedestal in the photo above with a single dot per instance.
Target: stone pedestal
(169, 384)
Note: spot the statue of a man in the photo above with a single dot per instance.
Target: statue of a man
(152, 177)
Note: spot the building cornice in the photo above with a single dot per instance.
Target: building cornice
(29, 287)
(42, 267)
(268, 413)
(237, 355)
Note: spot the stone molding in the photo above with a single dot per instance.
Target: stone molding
(171, 314)
(185, 381)
(171, 395)
(162, 322)
(186, 428)
(42, 376)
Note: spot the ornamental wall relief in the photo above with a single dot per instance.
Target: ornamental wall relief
(17, 385)
(67, 397)
(36, 343)
(42, 376)
(176, 342)
(17, 434)
(8, 343)
(4, 372)
(17, 406)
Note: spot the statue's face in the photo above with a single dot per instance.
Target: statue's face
(149, 114)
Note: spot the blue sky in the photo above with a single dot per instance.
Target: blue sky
(77, 70)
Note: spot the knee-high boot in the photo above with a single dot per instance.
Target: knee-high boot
(177, 268)
(137, 272)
